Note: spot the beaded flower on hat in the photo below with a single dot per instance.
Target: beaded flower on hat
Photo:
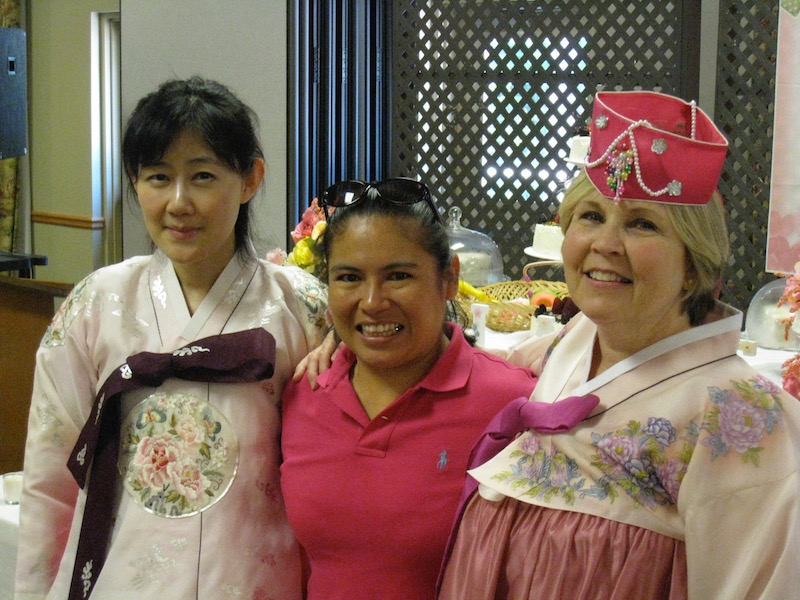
(620, 165)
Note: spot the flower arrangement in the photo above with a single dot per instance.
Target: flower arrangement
(791, 376)
(791, 297)
(307, 252)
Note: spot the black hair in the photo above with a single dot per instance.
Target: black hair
(419, 221)
(206, 108)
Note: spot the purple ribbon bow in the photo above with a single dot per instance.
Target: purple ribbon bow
(522, 414)
(241, 357)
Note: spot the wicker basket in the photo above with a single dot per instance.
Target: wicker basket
(510, 316)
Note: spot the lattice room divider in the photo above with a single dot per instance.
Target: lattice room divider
(744, 110)
(485, 95)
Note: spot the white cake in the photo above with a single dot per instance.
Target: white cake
(578, 149)
(547, 240)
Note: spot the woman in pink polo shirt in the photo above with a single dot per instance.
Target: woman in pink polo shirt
(374, 458)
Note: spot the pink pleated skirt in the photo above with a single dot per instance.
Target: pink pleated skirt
(519, 551)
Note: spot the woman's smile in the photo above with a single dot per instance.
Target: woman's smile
(182, 232)
(607, 276)
(379, 329)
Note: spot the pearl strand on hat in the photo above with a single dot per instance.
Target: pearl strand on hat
(618, 139)
(673, 188)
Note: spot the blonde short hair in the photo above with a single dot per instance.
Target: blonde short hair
(702, 229)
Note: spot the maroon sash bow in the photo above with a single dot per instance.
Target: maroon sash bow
(518, 415)
(241, 357)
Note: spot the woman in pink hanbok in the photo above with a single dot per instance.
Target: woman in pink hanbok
(651, 462)
(152, 457)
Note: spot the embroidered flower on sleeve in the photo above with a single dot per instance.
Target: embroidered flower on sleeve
(313, 295)
(742, 417)
(766, 385)
(616, 449)
(662, 431)
(69, 309)
(671, 474)
(311, 292)
(559, 336)
(543, 475)
(48, 418)
(530, 444)
(633, 459)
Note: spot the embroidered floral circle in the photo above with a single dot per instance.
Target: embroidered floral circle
(178, 455)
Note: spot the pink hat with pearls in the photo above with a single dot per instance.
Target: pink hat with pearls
(650, 146)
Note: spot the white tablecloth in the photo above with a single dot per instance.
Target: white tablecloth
(9, 528)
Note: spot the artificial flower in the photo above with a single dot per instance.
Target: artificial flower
(318, 229)
(276, 256)
(313, 215)
(791, 376)
(303, 253)
(307, 252)
(791, 297)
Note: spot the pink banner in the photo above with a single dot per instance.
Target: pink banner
(783, 239)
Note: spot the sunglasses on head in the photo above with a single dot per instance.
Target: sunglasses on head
(399, 190)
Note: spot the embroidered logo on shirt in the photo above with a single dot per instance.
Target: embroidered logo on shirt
(442, 460)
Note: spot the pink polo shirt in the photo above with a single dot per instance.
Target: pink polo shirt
(372, 501)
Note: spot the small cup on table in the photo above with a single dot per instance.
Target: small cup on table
(11, 487)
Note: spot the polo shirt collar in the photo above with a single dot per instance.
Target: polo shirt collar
(451, 371)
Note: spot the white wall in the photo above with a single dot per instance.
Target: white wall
(241, 43)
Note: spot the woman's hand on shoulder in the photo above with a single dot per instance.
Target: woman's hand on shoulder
(318, 360)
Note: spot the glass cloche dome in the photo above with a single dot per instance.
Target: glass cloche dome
(765, 321)
(481, 262)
